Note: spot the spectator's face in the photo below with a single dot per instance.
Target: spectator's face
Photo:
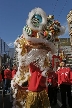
(8, 67)
(62, 64)
(14, 67)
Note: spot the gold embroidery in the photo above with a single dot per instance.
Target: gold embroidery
(37, 100)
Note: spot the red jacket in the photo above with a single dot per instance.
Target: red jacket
(37, 82)
(7, 74)
(64, 75)
(52, 78)
(13, 72)
(0, 78)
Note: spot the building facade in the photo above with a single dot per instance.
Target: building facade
(11, 55)
(66, 48)
(4, 52)
(15, 59)
(69, 19)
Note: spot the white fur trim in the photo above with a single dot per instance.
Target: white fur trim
(44, 72)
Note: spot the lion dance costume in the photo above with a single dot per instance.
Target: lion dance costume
(38, 38)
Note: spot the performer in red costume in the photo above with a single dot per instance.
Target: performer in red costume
(7, 76)
(52, 86)
(37, 95)
(37, 81)
(64, 83)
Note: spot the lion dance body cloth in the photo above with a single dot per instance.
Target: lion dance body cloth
(38, 38)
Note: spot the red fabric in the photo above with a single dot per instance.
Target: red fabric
(34, 33)
(13, 73)
(7, 74)
(52, 78)
(0, 78)
(37, 82)
(71, 76)
(64, 75)
(54, 57)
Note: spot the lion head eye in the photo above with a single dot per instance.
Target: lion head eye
(36, 20)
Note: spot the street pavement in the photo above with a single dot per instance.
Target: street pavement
(5, 102)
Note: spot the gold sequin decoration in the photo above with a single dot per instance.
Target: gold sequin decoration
(46, 62)
(21, 94)
(18, 104)
(23, 44)
(37, 100)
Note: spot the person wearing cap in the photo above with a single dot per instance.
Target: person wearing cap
(52, 86)
(64, 83)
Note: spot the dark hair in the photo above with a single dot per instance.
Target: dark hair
(71, 67)
(7, 66)
(64, 61)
